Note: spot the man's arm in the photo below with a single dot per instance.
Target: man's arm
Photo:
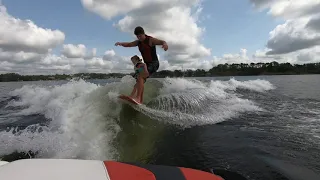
(127, 44)
(155, 41)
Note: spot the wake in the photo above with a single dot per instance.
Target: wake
(189, 103)
(83, 114)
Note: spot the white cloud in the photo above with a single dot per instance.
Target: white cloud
(300, 31)
(232, 58)
(51, 63)
(299, 57)
(289, 9)
(26, 48)
(292, 36)
(74, 51)
(310, 55)
(174, 21)
(19, 57)
(314, 24)
(109, 54)
(109, 62)
(23, 35)
(78, 51)
(120, 63)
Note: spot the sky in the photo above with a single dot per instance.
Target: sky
(49, 37)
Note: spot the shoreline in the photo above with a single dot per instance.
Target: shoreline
(221, 70)
(24, 78)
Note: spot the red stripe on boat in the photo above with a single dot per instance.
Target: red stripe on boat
(122, 171)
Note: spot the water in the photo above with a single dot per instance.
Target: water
(260, 127)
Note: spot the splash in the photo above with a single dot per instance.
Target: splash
(82, 122)
(84, 117)
(188, 103)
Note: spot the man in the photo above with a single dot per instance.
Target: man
(147, 48)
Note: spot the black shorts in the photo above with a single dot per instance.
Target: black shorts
(152, 67)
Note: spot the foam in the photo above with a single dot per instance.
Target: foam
(84, 116)
(257, 85)
(188, 102)
(77, 127)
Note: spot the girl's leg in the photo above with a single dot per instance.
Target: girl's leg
(141, 96)
(134, 90)
(139, 89)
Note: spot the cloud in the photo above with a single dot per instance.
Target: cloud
(108, 63)
(120, 63)
(237, 58)
(111, 62)
(19, 57)
(310, 55)
(23, 35)
(26, 48)
(109, 54)
(78, 51)
(261, 4)
(32, 63)
(292, 36)
(288, 9)
(74, 51)
(314, 24)
(231, 58)
(301, 29)
(174, 21)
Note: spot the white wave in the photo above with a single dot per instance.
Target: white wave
(189, 102)
(254, 85)
(82, 124)
(84, 115)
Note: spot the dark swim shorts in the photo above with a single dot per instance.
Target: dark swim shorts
(152, 68)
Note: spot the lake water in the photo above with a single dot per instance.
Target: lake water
(262, 127)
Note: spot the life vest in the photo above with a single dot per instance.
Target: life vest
(149, 53)
(136, 69)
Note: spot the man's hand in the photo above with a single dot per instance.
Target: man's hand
(165, 46)
(119, 44)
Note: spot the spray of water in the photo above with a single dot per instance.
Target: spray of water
(84, 116)
(188, 103)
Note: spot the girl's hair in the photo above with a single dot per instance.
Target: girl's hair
(136, 57)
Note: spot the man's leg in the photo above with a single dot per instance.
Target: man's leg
(152, 67)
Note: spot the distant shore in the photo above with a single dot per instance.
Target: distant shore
(253, 69)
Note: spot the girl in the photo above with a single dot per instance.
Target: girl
(141, 74)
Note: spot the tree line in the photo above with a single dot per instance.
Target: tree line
(17, 77)
(242, 69)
